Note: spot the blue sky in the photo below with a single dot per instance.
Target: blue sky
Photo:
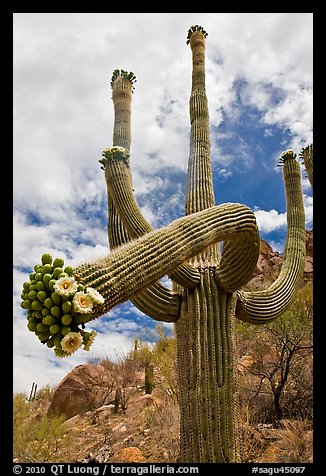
(259, 87)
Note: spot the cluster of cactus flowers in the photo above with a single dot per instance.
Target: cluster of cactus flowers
(58, 307)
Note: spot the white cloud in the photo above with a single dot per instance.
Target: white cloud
(33, 362)
(268, 221)
(272, 220)
(308, 206)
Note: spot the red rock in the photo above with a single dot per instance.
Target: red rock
(85, 388)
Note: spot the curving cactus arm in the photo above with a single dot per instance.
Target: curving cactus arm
(157, 301)
(121, 95)
(133, 266)
(259, 307)
(118, 178)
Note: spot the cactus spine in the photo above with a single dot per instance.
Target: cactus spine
(206, 295)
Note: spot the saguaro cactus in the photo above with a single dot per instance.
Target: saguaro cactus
(306, 155)
(206, 295)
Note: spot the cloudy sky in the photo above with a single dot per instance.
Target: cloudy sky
(259, 87)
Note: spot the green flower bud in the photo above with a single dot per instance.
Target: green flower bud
(33, 287)
(46, 279)
(32, 319)
(46, 258)
(57, 341)
(56, 311)
(32, 326)
(55, 328)
(36, 305)
(37, 268)
(56, 272)
(42, 327)
(58, 263)
(65, 330)
(47, 269)
(32, 295)
(48, 303)
(69, 270)
(38, 315)
(38, 277)
(66, 307)
(43, 336)
(45, 311)
(26, 286)
(32, 276)
(51, 284)
(41, 296)
(27, 304)
(50, 342)
(66, 319)
(40, 286)
(49, 320)
(56, 298)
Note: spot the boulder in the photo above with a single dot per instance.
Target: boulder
(130, 454)
(86, 388)
(269, 264)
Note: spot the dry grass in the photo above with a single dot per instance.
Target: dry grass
(164, 433)
(293, 444)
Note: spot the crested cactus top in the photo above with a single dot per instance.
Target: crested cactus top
(287, 155)
(194, 28)
(129, 75)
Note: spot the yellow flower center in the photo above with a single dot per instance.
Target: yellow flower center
(83, 301)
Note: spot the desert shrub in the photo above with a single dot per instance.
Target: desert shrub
(292, 444)
(163, 423)
(275, 363)
(36, 437)
(251, 443)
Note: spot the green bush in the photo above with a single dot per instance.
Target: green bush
(36, 437)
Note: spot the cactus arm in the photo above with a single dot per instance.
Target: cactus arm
(306, 155)
(237, 261)
(119, 183)
(139, 263)
(121, 96)
(259, 307)
(200, 190)
(158, 302)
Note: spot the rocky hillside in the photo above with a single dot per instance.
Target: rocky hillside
(270, 262)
